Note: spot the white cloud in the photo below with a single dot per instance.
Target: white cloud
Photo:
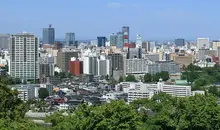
(114, 5)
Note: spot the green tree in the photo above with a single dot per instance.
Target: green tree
(130, 78)
(214, 90)
(43, 93)
(121, 79)
(164, 75)
(112, 116)
(147, 78)
(107, 77)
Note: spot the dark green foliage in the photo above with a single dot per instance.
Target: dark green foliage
(169, 113)
(12, 111)
(113, 116)
(214, 90)
(121, 79)
(164, 75)
(130, 78)
(201, 77)
(147, 78)
(43, 93)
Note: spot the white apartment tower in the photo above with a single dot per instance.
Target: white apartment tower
(24, 56)
(203, 43)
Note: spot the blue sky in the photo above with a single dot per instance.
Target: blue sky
(153, 19)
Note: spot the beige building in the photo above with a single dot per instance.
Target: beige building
(215, 45)
(183, 60)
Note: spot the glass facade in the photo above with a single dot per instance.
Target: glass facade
(48, 35)
(70, 39)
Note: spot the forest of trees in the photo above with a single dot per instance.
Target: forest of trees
(199, 78)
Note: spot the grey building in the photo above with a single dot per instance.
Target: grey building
(136, 66)
(24, 56)
(168, 66)
(179, 42)
(141, 66)
(116, 60)
(152, 57)
(4, 41)
(134, 53)
(70, 39)
(113, 39)
(64, 56)
(93, 66)
(104, 67)
(49, 35)
(119, 40)
(204, 53)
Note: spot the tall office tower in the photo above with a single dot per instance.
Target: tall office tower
(101, 41)
(179, 42)
(203, 43)
(64, 56)
(119, 40)
(139, 41)
(113, 39)
(24, 56)
(125, 31)
(49, 35)
(116, 60)
(70, 39)
(4, 41)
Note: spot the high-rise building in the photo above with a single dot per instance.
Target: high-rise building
(49, 35)
(116, 60)
(24, 56)
(125, 31)
(64, 56)
(203, 43)
(70, 39)
(119, 40)
(113, 39)
(90, 65)
(101, 41)
(46, 68)
(4, 41)
(179, 42)
(139, 41)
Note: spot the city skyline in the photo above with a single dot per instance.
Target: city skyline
(154, 20)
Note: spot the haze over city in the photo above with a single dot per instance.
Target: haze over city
(155, 20)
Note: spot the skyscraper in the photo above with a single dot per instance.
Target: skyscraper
(113, 39)
(70, 39)
(179, 42)
(101, 41)
(4, 41)
(49, 35)
(24, 56)
(125, 31)
(119, 40)
(139, 41)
